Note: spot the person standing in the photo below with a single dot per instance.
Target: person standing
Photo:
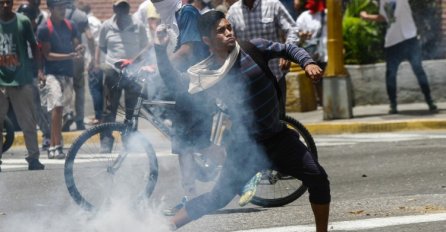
(41, 15)
(311, 28)
(81, 21)
(60, 47)
(121, 37)
(16, 78)
(258, 139)
(401, 43)
(95, 76)
(43, 118)
(192, 117)
(267, 19)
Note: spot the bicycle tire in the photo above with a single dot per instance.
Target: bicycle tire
(293, 187)
(8, 134)
(95, 174)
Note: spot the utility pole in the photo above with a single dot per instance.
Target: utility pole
(337, 94)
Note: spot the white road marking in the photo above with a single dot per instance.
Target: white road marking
(9, 164)
(360, 224)
(351, 139)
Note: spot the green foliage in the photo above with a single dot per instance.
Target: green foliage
(363, 41)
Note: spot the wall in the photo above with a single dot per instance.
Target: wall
(369, 85)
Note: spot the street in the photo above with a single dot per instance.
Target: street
(379, 182)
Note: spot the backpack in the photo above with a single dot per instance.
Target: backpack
(51, 26)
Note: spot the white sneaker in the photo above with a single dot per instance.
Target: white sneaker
(56, 152)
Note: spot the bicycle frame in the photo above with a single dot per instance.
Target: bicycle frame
(142, 105)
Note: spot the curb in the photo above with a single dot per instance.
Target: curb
(322, 128)
(370, 127)
(68, 138)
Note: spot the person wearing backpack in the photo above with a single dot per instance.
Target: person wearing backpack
(60, 46)
(258, 139)
(16, 78)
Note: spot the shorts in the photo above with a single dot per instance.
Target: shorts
(59, 91)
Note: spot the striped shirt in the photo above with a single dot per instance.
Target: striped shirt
(248, 93)
(268, 19)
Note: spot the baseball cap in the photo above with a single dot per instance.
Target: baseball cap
(117, 2)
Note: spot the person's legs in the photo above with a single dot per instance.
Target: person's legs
(131, 95)
(59, 95)
(111, 104)
(291, 157)
(42, 118)
(112, 95)
(24, 109)
(393, 61)
(242, 162)
(22, 100)
(4, 107)
(415, 60)
(79, 93)
(95, 84)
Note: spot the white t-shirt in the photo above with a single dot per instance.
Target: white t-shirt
(401, 25)
(312, 23)
(166, 9)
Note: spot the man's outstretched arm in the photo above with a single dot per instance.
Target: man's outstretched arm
(173, 79)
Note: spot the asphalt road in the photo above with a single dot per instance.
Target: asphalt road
(380, 182)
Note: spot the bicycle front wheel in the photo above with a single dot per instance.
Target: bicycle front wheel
(110, 162)
(8, 134)
(276, 189)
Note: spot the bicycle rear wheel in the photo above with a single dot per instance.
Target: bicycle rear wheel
(110, 162)
(8, 134)
(276, 189)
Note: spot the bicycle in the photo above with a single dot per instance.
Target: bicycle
(8, 134)
(112, 154)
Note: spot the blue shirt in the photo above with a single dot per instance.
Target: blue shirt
(61, 40)
(187, 19)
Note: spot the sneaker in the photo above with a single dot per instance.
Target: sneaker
(175, 209)
(51, 152)
(45, 144)
(34, 164)
(80, 125)
(67, 121)
(432, 106)
(393, 109)
(56, 152)
(59, 154)
(249, 190)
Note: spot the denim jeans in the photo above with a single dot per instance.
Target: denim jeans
(95, 83)
(407, 50)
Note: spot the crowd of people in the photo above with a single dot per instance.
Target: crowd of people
(192, 47)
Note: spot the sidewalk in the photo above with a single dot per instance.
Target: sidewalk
(375, 118)
(366, 119)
